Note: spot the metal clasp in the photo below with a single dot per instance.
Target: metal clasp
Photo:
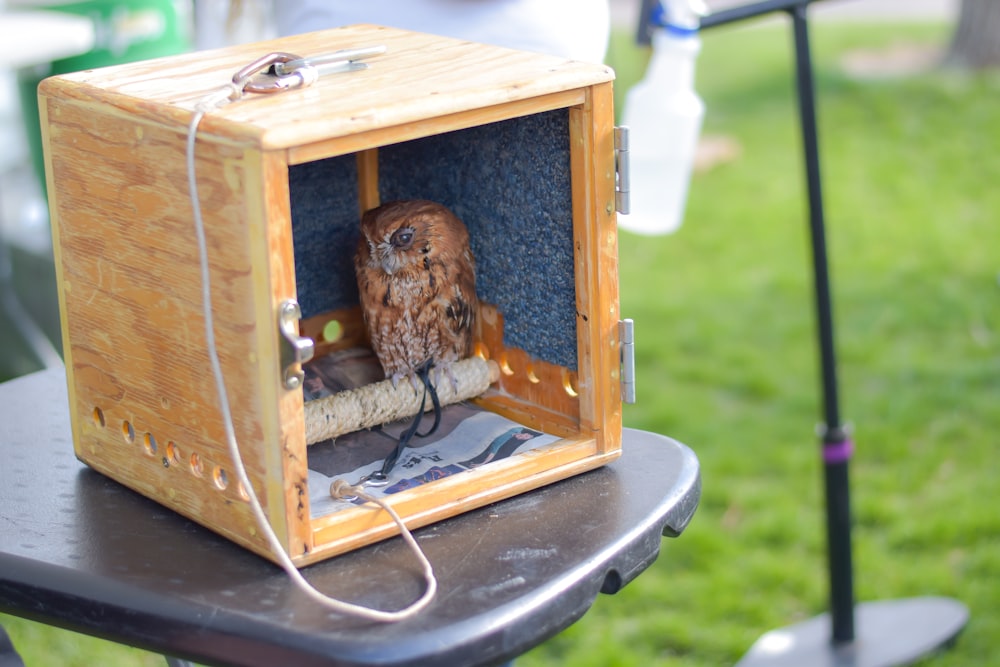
(623, 181)
(374, 480)
(626, 339)
(260, 76)
(279, 71)
(295, 349)
(344, 60)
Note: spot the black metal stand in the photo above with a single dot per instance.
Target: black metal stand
(869, 634)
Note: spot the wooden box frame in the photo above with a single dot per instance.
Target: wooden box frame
(142, 399)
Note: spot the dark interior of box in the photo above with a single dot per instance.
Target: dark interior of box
(510, 184)
(508, 181)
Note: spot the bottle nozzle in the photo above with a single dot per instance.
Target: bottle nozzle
(681, 17)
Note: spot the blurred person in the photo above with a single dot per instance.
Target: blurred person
(574, 29)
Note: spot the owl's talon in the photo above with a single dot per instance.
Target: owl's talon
(414, 379)
(442, 370)
(395, 378)
(447, 370)
(434, 375)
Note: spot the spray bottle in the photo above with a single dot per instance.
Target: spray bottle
(664, 113)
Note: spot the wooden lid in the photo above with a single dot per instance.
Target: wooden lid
(419, 77)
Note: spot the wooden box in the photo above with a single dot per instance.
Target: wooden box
(519, 145)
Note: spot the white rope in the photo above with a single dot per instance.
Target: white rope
(210, 102)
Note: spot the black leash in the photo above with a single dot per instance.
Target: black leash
(424, 373)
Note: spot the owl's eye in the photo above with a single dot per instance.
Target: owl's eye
(402, 238)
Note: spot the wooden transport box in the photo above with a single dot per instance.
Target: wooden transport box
(519, 145)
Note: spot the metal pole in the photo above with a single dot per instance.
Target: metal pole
(836, 443)
(750, 11)
(897, 632)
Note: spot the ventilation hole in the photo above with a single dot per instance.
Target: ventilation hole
(220, 478)
(332, 331)
(504, 364)
(149, 442)
(197, 467)
(567, 383)
(99, 418)
(532, 378)
(480, 350)
(128, 432)
(173, 453)
(240, 489)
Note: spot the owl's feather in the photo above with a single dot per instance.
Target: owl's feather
(417, 286)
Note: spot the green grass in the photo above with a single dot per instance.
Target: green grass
(727, 361)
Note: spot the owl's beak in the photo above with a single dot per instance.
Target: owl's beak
(388, 260)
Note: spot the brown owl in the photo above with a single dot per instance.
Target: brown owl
(417, 286)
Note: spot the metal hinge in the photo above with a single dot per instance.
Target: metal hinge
(295, 349)
(623, 180)
(626, 340)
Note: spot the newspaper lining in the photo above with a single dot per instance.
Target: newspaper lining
(466, 438)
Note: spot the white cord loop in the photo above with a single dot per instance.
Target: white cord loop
(230, 93)
(223, 96)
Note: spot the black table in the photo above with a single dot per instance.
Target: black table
(79, 551)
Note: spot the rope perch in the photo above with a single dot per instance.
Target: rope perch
(380, 402)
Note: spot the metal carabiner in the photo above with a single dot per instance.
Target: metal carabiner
(280, 71)
(344, 60)
(260, 76)
(373, 480)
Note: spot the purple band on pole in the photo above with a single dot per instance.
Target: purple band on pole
(838, 452)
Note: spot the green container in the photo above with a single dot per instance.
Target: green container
(125, 31)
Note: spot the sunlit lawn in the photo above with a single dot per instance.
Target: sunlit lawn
(727, 359)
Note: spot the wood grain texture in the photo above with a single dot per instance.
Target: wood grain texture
(143, 403)
(343, 531)
(420, 77)
(353, 332)
(458, 120)
(270, 232)
(132, 322)
(368, 195)
(595, 226)
(530, 391)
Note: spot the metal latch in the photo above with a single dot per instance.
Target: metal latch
(295, 349)
(623, 180)
(626, 340)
